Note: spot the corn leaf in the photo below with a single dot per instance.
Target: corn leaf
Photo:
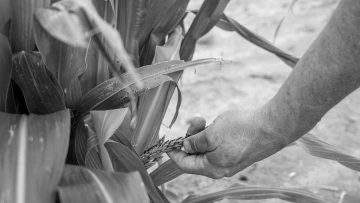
(106, 123)
(169, 20)
(130, 21)
(124, 133)
(132, 162)
(66, 62)
(80, 141)
(21, 31)
(5, 72)
(41, 92)
(319, 148)
(229, 24)
(153, 104)
(80, 184)
(93, 152)
(290, 9)
(87, 25)
(165, 172)
(252, 193)
(97, 66)
(155, 9)
(32, 155)
(113, 94)
(5, 14)
(208, 15)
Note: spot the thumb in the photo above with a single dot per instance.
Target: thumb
(197, 143)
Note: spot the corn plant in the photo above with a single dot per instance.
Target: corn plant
(84, 87)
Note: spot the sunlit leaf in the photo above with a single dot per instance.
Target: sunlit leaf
(32, 155)
(252, 193)
(80, 184)
(106, 123)
(208, 15)
(319, 148)
(21, 31)
(41, 92)
(153, 104)
(113, 94)
(132, 162)
(165, 172)
(5, 72)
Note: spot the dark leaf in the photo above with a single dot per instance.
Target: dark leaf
(32, 155)
(41, 93)
(208, 15)
(5, 14)
(5, 72)
(169, 20)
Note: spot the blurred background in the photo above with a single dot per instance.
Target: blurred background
(253, 77)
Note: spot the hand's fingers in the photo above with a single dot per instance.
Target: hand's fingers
(197, 143)
(197, 125)
(193, 164)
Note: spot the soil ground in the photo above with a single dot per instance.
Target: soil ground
(253, 77)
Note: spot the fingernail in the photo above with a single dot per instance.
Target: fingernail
(187, 147)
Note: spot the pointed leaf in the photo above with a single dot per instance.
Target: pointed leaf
(319, 148)
(208, 15)
(5, 72)
(21, 31)
(41, 93)
(113, 94)
(165, 172)
(80, 184)
(32, 155)
(251, 193)
(257, 40)
(133, 163)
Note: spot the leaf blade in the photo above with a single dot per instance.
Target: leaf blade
(41, 93)
(33, 152)
(5, 72)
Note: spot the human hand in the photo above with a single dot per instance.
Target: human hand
(233, 142)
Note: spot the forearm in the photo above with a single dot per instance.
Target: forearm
(328, 72)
